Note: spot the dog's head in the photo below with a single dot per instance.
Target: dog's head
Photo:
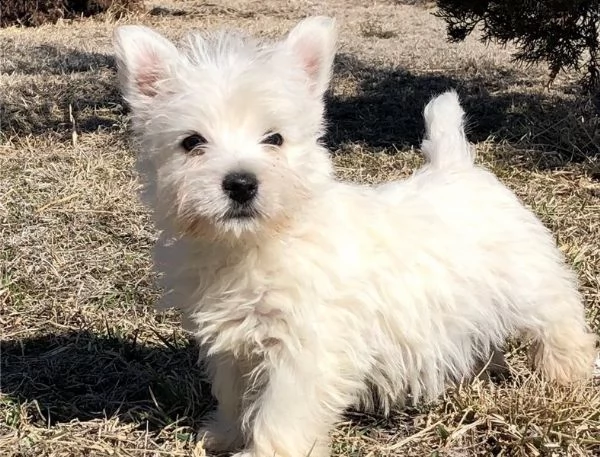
(229, 127)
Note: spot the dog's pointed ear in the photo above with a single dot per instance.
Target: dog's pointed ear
(313, 41)
(144, 59)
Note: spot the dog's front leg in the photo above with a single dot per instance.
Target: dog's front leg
(301, 400)
(222, 430)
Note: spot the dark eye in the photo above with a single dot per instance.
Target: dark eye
(193, 142)
(274, 139)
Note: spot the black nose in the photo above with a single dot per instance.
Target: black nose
(241, 187)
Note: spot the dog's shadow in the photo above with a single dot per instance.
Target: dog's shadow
(84, 376)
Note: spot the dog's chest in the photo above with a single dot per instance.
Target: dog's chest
(268, 297)
(246, 306)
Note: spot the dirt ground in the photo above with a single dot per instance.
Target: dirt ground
(89, 369)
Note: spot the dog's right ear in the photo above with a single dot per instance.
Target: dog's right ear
(144, 60)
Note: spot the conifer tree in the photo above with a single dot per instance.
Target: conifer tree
(562, 33)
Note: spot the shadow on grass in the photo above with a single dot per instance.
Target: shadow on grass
(84, 376)
(49, 83)
(45, 107)
(372, 104)
(46, 59)
(385, 108)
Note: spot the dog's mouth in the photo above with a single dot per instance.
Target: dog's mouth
(240, 212)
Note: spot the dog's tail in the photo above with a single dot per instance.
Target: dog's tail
(445, 143)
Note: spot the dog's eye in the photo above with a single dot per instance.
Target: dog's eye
(274, 139)
(193, 142)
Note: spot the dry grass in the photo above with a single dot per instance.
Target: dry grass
(89, 369)
(37, 12)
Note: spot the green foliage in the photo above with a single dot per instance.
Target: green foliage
(563, 33)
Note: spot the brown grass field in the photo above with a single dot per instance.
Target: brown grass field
(89, 369)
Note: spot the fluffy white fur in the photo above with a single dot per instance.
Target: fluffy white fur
(332, 294)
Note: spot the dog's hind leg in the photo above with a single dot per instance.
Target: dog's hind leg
(564, 349)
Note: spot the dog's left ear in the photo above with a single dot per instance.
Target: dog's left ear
(313, 41)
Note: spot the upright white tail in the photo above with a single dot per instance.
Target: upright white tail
(445, 143)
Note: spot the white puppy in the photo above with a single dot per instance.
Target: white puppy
(308, 295)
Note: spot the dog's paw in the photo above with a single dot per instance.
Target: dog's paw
(244, 454)
(216, 440)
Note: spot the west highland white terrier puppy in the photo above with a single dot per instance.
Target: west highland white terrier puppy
(308, 295)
